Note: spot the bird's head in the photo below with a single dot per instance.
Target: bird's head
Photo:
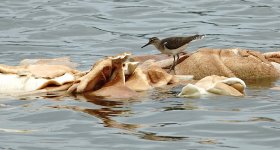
(153, 41)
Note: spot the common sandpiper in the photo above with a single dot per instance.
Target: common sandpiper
(172, 45)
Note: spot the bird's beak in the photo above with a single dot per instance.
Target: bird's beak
(146, 44)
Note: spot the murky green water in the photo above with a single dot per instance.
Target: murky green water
(88, 30)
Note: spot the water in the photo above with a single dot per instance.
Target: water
(88, 30)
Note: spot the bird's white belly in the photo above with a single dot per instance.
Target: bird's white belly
(174, 51)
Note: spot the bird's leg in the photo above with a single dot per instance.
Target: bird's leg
(177, 58)
(175, 62)
(173, 65)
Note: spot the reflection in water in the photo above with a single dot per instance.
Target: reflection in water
(185, 106)
(54, 95)
(110, 110)
(16, 130)
(253, 119)
(155, 137)
(209, 141)
(262, 83)
(164, 93)
(101, 101)
(105, 114)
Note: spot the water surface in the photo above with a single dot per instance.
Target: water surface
(88, 30)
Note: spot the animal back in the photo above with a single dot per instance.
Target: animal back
(177, 42)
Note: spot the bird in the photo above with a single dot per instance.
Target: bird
(172, 45)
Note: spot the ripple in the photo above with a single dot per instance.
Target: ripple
(89, 30)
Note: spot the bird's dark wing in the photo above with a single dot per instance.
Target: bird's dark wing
(176, 42)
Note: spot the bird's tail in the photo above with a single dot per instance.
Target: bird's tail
(198, 37)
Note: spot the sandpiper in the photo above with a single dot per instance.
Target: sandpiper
(172, 45)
